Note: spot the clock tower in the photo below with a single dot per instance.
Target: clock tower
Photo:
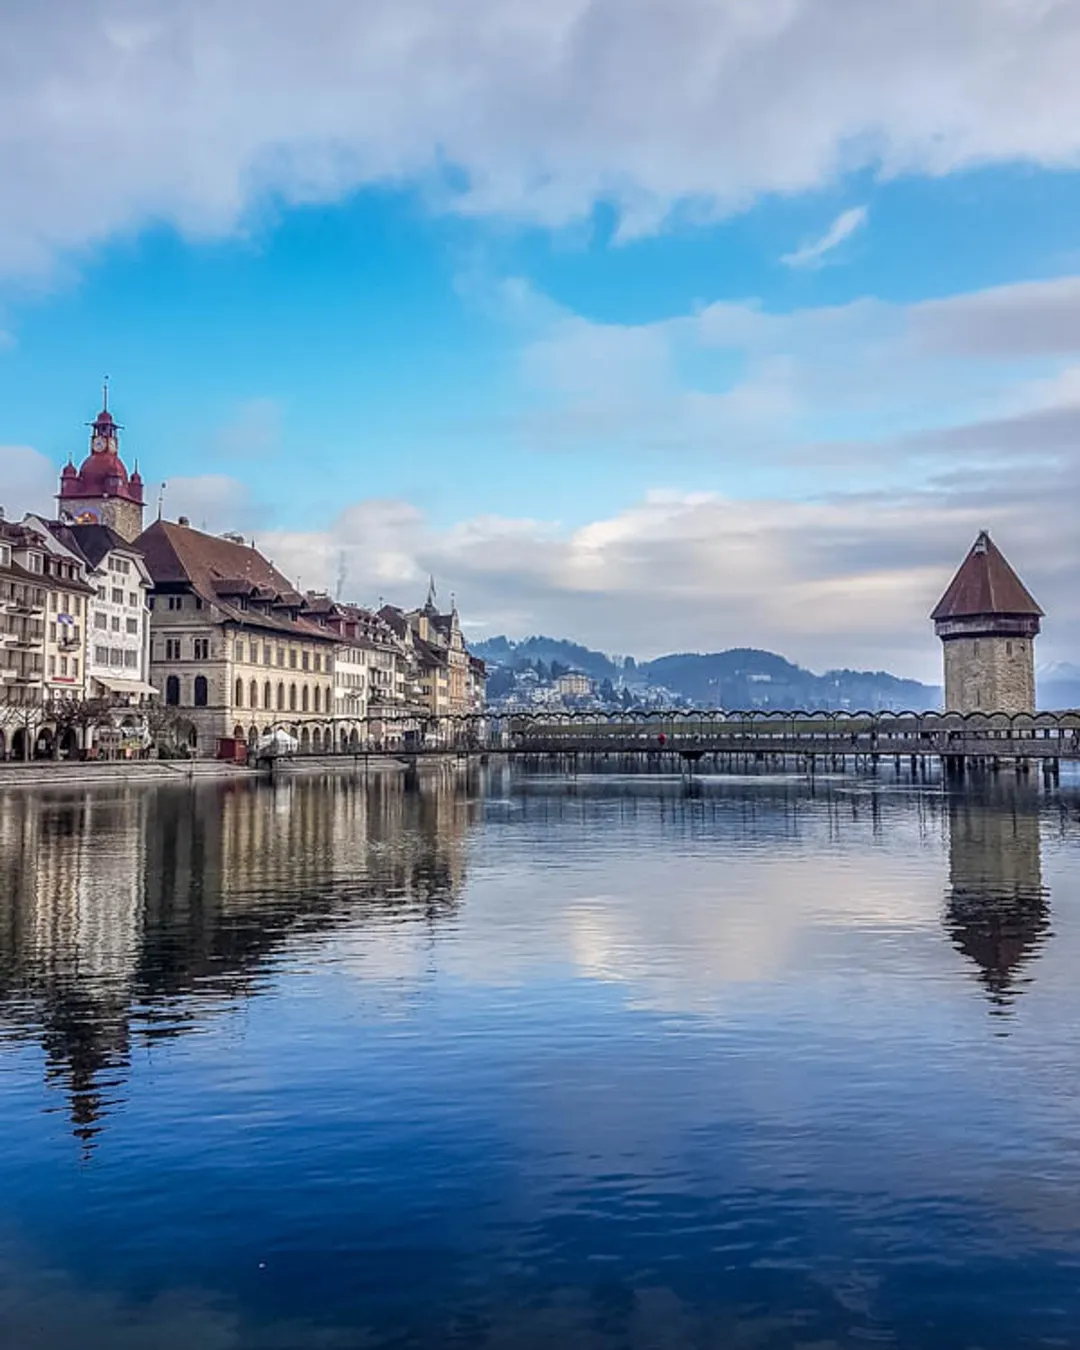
(101, 492)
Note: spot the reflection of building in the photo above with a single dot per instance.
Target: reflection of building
(988, 622)
(998, 910)
(127, 917)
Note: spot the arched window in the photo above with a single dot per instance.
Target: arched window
(201, 691)
(292, 697)
(239, 693)
(268, 698)
(281, 697)
(318, 699)
(253, 694)
(304, 698)
(172, 691)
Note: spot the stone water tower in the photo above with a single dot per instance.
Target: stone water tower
(987, 622)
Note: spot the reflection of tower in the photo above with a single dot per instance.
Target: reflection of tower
(998, 913)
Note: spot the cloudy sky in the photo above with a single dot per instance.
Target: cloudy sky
(659, 324)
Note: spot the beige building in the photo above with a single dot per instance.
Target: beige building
(987, 622)
(232, 650)
(44, 601)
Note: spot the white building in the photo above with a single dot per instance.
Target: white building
(116, 651)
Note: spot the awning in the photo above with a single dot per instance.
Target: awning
(116, 686)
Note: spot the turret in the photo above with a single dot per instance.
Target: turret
(987, 622)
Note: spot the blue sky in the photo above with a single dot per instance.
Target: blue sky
(663, 327)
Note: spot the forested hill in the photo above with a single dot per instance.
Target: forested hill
(742, 677)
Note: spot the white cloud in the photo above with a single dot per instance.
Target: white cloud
(116, 113)
(843, 227)
(28, 481)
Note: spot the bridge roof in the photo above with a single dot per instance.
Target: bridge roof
(985, 584)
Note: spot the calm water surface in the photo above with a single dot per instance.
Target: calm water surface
(514, 1062)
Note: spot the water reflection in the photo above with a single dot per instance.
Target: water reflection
(998, 911)
(127, 913)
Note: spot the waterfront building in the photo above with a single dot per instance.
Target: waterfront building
(987, 622)
(115, 652)
(233, 650)
(44, 600)
(450, 681)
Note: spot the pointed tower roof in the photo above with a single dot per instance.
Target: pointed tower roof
(985, 585)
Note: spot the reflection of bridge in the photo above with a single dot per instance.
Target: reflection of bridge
(815, 739)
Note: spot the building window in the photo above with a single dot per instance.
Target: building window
(198, 602)
(172, 691)
(306, 660)
(131, 660)
(281, 656)
(200, 649)
(176, 602)
(133, 600)
(266, 654)
(267, 701)
(239, 699)
(64, 666)
(201, 691)
(52, 665)
(149, 602)
(172, 649)
(304, 698)
(114, 623)
(75, 667)
(101, 620)
(117, 596)
(101, 655)
(292, 658)
(281, 697)
(318, 699)
(292, 697)
(133, 625)
(116, 656)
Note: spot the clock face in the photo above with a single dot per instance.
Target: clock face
(87, 518)
(98, 443)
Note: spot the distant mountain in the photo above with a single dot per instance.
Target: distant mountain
(1059, 686)
(740, 678)
(501, 651)
(747, 678)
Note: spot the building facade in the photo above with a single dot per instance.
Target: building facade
(987, 622)
(232, 652)
(44, 602)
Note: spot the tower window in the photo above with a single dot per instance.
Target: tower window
(201, 691)
(1008, 649)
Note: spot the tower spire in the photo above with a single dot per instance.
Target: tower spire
(105, 394)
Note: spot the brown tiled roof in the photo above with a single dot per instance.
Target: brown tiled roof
(215, 567)
(985, 584)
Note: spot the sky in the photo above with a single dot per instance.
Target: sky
(663, 325)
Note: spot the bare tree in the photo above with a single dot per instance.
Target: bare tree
(73, 712)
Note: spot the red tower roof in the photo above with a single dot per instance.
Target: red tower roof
(102, 473)
(985, 585)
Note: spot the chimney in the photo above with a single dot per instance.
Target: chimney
(182, 520)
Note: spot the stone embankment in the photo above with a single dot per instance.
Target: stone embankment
(79, 773)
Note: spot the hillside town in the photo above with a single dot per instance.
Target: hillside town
(119, 639)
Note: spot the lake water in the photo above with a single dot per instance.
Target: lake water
(512, 1061)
